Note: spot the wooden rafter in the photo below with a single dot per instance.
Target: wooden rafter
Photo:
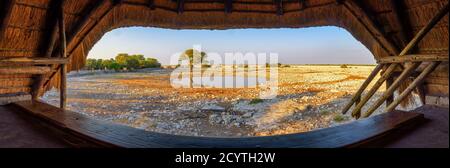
(78, 42)
(48, 39)
(364, 18)
(84, 20)
(400, 22)
(6, 7)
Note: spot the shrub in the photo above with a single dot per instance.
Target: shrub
(344, 66)
(339, 118)
(256, 101)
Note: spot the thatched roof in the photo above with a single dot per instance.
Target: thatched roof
(383, 26)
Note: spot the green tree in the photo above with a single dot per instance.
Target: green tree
(194, 57)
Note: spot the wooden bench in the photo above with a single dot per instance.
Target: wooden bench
(82, 131)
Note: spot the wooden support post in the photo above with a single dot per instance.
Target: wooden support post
(180, 6)
(302, 4)
(358, 100)
(151, 4)
(279, 6)
(373, 90)
(63, 70)
(228, 6)
(362, 88)
(390, 98)
(390, 91)
(430, 68)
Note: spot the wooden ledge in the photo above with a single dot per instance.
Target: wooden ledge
(73, 125)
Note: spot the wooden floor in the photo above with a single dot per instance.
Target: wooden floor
(431, 134)
(27, 125)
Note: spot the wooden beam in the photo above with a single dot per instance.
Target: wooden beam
(373, 90)
(361, 89)
(390, 91)
(63, 70)
(48, 39)
(389, 82)
(400, 22)
(86, 14)
(364, 17)
(419, 80)
(6, 7)
(25, 70)
(228, 6)
(414, 58)
(32, 61)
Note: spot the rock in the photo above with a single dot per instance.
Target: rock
(247, 115)
(212, 108)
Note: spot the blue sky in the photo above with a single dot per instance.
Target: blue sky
(317, 45)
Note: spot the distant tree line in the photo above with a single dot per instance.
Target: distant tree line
(122, 62)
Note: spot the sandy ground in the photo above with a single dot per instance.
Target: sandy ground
(309, 98)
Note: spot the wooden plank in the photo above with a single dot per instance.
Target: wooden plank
(414, 58)
(16, 82)
(102, 133)
(33, 61)
(4, 90)
(25, 70)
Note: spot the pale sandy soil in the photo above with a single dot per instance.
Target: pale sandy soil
(309, 98)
